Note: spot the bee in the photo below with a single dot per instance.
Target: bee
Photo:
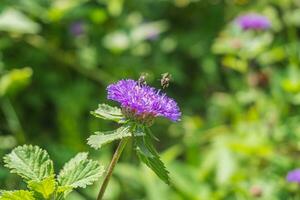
(165, 80)
(142, 79)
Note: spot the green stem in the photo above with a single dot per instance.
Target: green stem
(13, 120)
(111, 167)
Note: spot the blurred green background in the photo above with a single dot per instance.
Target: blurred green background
(239, 91)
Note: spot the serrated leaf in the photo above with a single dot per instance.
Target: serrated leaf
(17, 195)
(30, 162)
(80, 172)
(63, 189)
(62, 192)
(45, 188)
(107, 112)
(148, 155)
(101, 138)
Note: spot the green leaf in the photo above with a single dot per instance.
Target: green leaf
(12, 20)
(107, 112)
(62, 189)
(62, 192)
(30, 162)
(15, 80)
(46, 187)
(101, 138)
(148, 155)
(17, 195)
(80, 172)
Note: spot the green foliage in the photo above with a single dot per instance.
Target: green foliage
(29, 162)
(34, 165)
(79, 172)
(12, 20)
(150, 157)
(15, 79)
(101, 138)
(107, 112)
(45, 187)
(17, 195)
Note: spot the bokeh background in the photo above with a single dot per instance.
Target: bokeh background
(239, 91)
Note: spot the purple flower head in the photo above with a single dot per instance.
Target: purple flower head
(142, 101)
(253, 21)
(293, 176)
(77, 28)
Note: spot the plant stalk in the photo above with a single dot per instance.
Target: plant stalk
(13, 120)
(111, 167)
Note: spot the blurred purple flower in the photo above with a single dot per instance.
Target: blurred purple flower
(77, 28)
(293, 176)
(253, 21)
(142, 100)
(153, 33)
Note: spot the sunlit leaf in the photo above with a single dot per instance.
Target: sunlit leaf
(17, 195)
(30, 162)
(80, 172)
(12, 20)
(102, 138)
(14, 80)
(107, 112)
(225, 165)
(45, 187)
(117, 41)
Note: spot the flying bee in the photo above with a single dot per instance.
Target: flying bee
(142, 79)
(165, 80)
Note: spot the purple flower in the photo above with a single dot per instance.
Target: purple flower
(293, 176)
(253, 21)
(77, 28)
(143, 101)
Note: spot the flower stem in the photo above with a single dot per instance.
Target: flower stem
(111, 167)
(13, 121)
